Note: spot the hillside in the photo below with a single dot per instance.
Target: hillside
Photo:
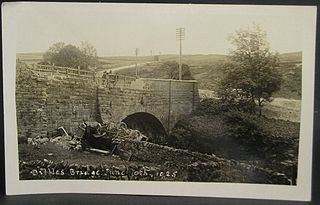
(207, 69)
(291, 57)
(29, 58)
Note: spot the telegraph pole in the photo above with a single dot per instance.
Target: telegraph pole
(180, 34)
(136, 51)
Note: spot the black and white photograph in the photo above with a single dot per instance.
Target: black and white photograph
(165, 94)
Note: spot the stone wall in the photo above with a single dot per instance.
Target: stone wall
(31, 98)
(70, 103)
(197, 166)
(45, 102)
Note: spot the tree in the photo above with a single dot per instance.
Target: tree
(251, 76)
(89, 54)
(71, 56)
(50, 55)
(172, 70)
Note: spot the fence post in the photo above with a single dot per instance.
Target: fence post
(78, 70)
(67, 72)
(52, 70)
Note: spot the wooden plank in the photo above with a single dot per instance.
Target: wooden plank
(99, 151)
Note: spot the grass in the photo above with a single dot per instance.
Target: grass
(29, 153)
(283, 109)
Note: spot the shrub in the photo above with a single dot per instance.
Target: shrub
(181, 137)
(212, 106)
(246, 128)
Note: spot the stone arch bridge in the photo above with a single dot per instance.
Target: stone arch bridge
(48, 97)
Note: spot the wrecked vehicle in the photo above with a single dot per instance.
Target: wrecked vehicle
(107, 136)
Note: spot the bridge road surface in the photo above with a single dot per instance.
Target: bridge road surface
(100, 73)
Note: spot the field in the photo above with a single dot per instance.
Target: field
(284, 109)
(30, 58)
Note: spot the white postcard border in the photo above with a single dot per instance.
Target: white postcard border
(301, 192)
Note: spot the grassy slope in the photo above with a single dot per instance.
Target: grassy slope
(291, 70)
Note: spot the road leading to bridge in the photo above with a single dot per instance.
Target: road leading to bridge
(99, 73)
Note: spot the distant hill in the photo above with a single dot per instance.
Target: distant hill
(207, 69)
(291, 57)
(291, 70)
(29, 58)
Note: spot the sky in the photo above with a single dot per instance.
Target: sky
(117, 29)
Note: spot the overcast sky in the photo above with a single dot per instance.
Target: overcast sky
(117, 29)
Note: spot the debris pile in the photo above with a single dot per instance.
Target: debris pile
(95, 137)
(59, 136)
(104, 138)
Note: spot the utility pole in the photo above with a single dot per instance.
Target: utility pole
(136, 51)
(180, 34)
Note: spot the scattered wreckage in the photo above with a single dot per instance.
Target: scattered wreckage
(94, 137)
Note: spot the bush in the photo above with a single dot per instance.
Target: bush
(246, 128)
(211, 106)
(181, 137)
(172, 69)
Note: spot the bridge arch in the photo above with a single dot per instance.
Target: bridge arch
(147, 124)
